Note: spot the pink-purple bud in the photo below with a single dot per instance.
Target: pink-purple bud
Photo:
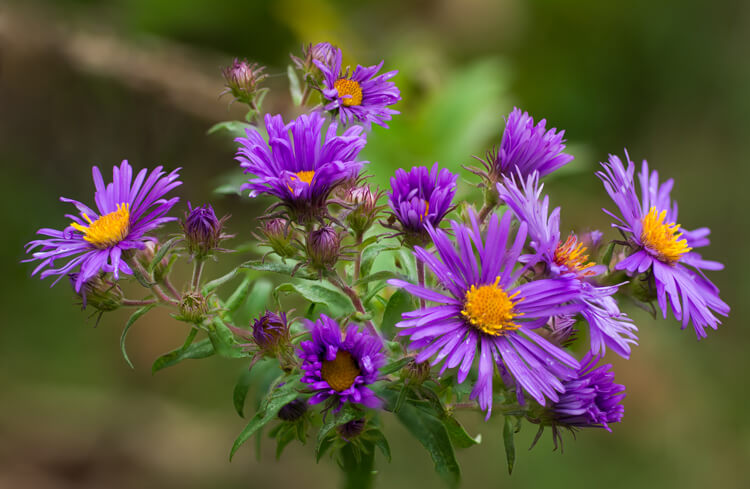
(243, 80)
(202, 230)
(270, 331)
(323, 246)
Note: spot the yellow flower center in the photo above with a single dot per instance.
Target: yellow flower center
(305, 176)
(426, 211)
(107, 230)
(346, 87)
(490, 310)
(341, 371)
(572, 255)
(663, 238)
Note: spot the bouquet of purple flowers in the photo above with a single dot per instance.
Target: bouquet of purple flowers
(408, 305)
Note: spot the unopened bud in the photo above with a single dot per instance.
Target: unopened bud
(243, 80)
(322, 52)
(416, 372)
(193, 307)
(278, 236)
(352, 429)
(203, 230)
(98, 292)
(270, 331)
(293, 411)
(364, 208)
(323, 247)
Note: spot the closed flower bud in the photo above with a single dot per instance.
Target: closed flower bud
(270, 331)
(99, 292)
(322, 52)
(323, 247)
(364, 209)
(352, 429)
(243, 80)
(193, 307)
(278, 236)
(203, 230)
(293, 411)
(416, 372)
(147, 254)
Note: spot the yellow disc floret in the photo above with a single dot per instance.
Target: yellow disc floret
(305, 176)
(107, 230)
(663, 238)
(346, 87)
(340, 372)
(489, 309)
(572, 255)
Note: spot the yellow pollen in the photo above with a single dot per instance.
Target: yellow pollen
(107, 230)
(489, 309)
(305, 176)
(345, 87)
(572, 255)
(663, 238)
(341, 371)
(426, 211)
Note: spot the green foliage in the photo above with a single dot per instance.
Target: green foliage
(133, 318)
(189, 350)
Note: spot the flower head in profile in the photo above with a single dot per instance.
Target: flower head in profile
(362, 95)
(608, 327)
(243, 80)
(127, 209)
(483, 315)
(660, 248)
(340, 367)
(322, 52)
(421, 197)
(299, 162)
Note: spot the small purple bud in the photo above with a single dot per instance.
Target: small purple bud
(293, 411)
(202, 230)
(416, 372)
(323, 247)
(364, 208)
(322, 52)
(270, 331)
(243, 80)
(279, 236)
(352, 429)
(98, 292)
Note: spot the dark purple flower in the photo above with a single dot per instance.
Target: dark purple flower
(270, 330)
(608, 327)
(591, 399)
(526, 147)
(127, 209)
(420, 197)
(363, 95)
(352, 429)
(299, 163)
(660, 247)
(202, 229)
(484, 315)
(341, 369)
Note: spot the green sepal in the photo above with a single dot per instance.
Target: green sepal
(133, 318)
(508, 441)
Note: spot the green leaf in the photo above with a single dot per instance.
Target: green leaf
(382, 275)
(294, 88)
(370, 253)
(195, 351)
(256, 303)
(269, 408)
(357, 462)
(240, 391)
(400, 302)
(223, 340)
(234, 128)
(348, 413)
(607, 256)
(277, 267)
(163, 250)
(239, 295)
(395, 366)
(321, 293)
(430, 431)
(510, 448)
(458, 434)
(214, 284)
(381, 442)
(133, 318)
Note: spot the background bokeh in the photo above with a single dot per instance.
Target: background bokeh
(87, 82)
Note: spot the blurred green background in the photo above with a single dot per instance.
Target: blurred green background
(87, 82)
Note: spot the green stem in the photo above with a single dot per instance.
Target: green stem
(358, 258)
(137, 303)
(420, 279)
(197, 273)
(352, 294)
(158, 291)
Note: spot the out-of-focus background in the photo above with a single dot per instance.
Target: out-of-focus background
(87, 82)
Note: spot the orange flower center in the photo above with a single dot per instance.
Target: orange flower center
(107, 230)
(346, 87)
(663, 238)
(572, 255)
(489, 309)
(340, 372)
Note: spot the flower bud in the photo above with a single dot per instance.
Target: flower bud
(202, 230)
(98, 292)
(193, 307)
(352, 429)
(270, 331)
(147, 254)
(364, 208)
(243, 80)
(293, 411)
(323, 247)
(416, 372)
(322, 52)
(278, 236)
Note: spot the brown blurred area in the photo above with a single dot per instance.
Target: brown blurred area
(87, 82)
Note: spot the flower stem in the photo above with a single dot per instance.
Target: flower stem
(352, 294)
(358, 258)
(197, 272)
(155, 288)
(138, 303)
(420, 279)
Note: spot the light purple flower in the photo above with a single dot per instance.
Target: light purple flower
(608, 327)
(127, 209)
(341, 369)
(298, 162)
(661, 248)
(362, 96)
(484, 315)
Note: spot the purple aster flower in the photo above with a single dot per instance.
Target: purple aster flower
(363, 95)
(299, 163)
(526, 147)
(608, 327)
(127, 209)
(591, 399)
(420, 197)
(660, 247)
(485, 316)
(341, 369)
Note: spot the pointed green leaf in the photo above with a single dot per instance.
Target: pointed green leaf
(381, 442)
(202, 349)
(400, 302)
(133, 318)
(321, 293)
(370, 254)
(163, 250)
(278, 267)
(510, 447)
(607, 256)
(223, 340)
(458, 434)
(395, 366)
(214, 284)
(294, 87)
(382, 275)
(240, 391)
(234, 128)
(239, 295)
